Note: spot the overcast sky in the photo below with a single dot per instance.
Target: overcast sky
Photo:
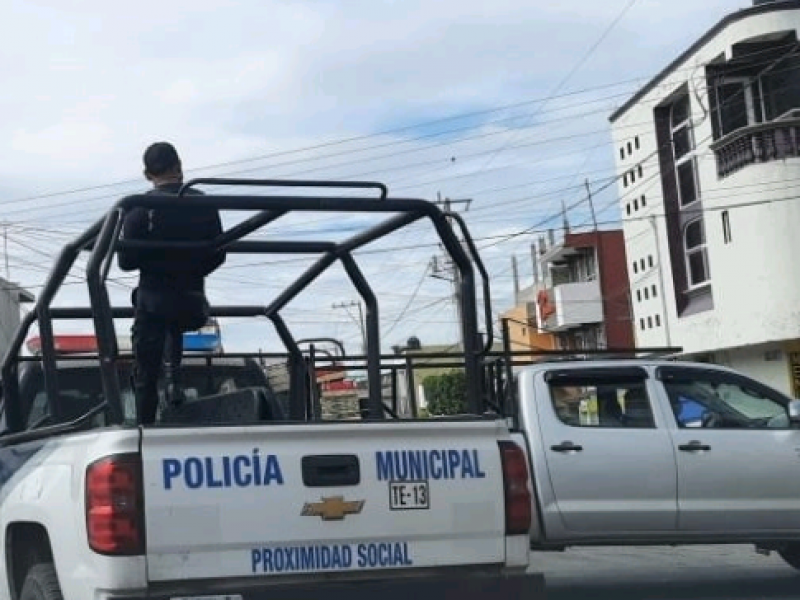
(503, 102)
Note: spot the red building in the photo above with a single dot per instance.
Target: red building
(585, 299)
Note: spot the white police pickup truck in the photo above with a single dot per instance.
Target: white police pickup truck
(256, 510)
(228, 497)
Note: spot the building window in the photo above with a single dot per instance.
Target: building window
(658, 320)
(630, 149)
(638, 295)
(738, 102)
(644, 201)
(726, 227)
(635, 267)
(640, 172)
(683, 150)
(635, 205)
(649, 322)
(625, 180)
(650, 260)
(628, 208)
(694, 241)
(636, 142)
(622, 153)
(646, 294)
(641, 324)
(655, 291)
(641, 264)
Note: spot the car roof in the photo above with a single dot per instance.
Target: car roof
(610, 363)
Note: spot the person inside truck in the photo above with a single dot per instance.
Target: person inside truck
(170, 298)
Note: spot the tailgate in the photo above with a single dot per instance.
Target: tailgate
(338, 497)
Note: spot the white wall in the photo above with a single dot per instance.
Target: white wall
(578, 303)
(756, 278)
(753, 362)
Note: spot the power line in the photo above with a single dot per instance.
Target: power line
(337, 142)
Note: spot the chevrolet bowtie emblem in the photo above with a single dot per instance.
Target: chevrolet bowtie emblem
(332, 509)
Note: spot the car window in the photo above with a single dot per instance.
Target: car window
(604, 405)
(80, 389)
(718, 402)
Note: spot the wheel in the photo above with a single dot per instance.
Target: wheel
(41, 583)
(791, 554)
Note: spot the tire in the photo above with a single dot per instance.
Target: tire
(791, 555)
(41, 583)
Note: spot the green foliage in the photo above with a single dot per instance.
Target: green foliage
(446, 393)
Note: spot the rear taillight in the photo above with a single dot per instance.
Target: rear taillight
(517, 493)
(114, 522)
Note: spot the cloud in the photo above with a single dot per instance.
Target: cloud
(89, 85)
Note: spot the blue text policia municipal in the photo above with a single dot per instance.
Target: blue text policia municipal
(257, 470)
(333, 557)
(415, 465)
(243, 471)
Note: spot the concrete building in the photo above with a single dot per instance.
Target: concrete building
(523, 325)
(12, 297)
(584, 298)
(708, 157)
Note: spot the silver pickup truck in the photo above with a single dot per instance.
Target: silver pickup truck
(657, 452)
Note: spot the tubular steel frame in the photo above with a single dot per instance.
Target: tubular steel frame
(102, 239)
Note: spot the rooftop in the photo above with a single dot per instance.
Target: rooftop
(764, 7)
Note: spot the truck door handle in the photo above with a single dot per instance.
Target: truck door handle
(331, 470)
(566, 447)
(693, 446)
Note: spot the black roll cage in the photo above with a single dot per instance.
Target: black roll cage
(102, 239)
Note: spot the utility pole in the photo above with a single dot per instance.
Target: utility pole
(362, 328)
(442, 267)
(591, 203)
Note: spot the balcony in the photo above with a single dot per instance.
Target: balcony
(764, 142)
(570, 305)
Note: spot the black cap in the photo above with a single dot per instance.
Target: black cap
(160, 158)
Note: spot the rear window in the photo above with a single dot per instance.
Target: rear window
(80, 388)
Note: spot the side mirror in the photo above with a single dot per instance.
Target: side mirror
(794, 411)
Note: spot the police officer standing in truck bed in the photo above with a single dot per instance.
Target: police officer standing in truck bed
(170, 298)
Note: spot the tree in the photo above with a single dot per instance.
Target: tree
(446, 393)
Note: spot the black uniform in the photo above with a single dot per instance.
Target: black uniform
(170, 298)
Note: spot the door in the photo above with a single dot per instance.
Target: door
(609, 455)
(738, 457)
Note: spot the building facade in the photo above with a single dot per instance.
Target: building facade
(12, 297)
(708, 158)
(584, 300)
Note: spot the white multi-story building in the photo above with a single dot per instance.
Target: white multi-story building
(708, 157)
(12, 297)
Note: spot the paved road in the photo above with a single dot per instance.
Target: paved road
(689, 573)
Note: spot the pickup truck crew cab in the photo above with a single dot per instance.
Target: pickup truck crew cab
(643, 451)
(230, 496)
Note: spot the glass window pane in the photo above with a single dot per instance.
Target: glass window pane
(698, 271)
(606, 405)
(682, 142)
(724, 405)
(694, 235)
(686, 183)
(732, 106)
(680, 110)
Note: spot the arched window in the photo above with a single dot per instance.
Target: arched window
(694, 245)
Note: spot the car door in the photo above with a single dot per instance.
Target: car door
(739, 463)
(609, 456)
